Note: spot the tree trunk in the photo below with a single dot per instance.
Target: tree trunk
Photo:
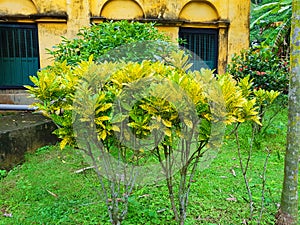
(288, 212)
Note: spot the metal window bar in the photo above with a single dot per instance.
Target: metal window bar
(204, 44)
(18, 54)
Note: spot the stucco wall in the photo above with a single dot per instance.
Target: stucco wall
(64, 17)
(238, 32)
(49, 35)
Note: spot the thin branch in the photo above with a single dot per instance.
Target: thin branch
(84, 169)
(270, 120)
(250, 151)
(234, 129)
(244, 173)
(263, 186)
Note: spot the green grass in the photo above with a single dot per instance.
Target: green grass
(45, 189)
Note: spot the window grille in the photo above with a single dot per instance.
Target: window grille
(19, 54)
(204, 44)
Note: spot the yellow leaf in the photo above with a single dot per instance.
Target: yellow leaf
(63, 143)
(148, 108)
(188, 122)
(103, 118)
(103, 135)
(115, 128)
(168, 132)
(158, 118)
(167, 123)
(104, 108)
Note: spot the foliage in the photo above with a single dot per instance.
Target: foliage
(271, 24)
(145, 90)
(3, 173)
(267, 70)
(263, 99)
(98, 39)
(55, 86)
(157, 110)
(218, 195)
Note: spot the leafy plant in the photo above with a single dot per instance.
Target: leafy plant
(54, 89)
(3, 174)
(260, 100)
(149, 115)
(98, 39)
(170, 117)
(266, 69)
(271, 25)
(120, 101)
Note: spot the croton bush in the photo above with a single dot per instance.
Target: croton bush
(55, 88)
(89, 91)
(122, 105)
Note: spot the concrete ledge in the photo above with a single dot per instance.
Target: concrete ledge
(21, 133)
(16, 98)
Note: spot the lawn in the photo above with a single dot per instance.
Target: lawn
(46, 189)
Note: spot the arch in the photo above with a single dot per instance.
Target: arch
(17, 7)
(122, 9)
(199, 11)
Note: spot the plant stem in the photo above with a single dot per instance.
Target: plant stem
(263, 187)
(244, 170)
(168, 174)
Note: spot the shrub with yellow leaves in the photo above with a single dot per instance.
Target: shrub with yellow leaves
(147, 110)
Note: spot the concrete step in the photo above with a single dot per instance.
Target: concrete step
(23, 132)
(16, 98)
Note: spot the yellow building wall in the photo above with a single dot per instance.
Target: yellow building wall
(56, 18)
(9, 7)
(49, 35)
(238, 32)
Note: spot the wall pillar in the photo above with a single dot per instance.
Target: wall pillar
(223, 50)
(78, 16)
(50, 33)
(239, 17)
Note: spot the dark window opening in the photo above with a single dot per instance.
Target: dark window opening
(19, 54)
(204, 44)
